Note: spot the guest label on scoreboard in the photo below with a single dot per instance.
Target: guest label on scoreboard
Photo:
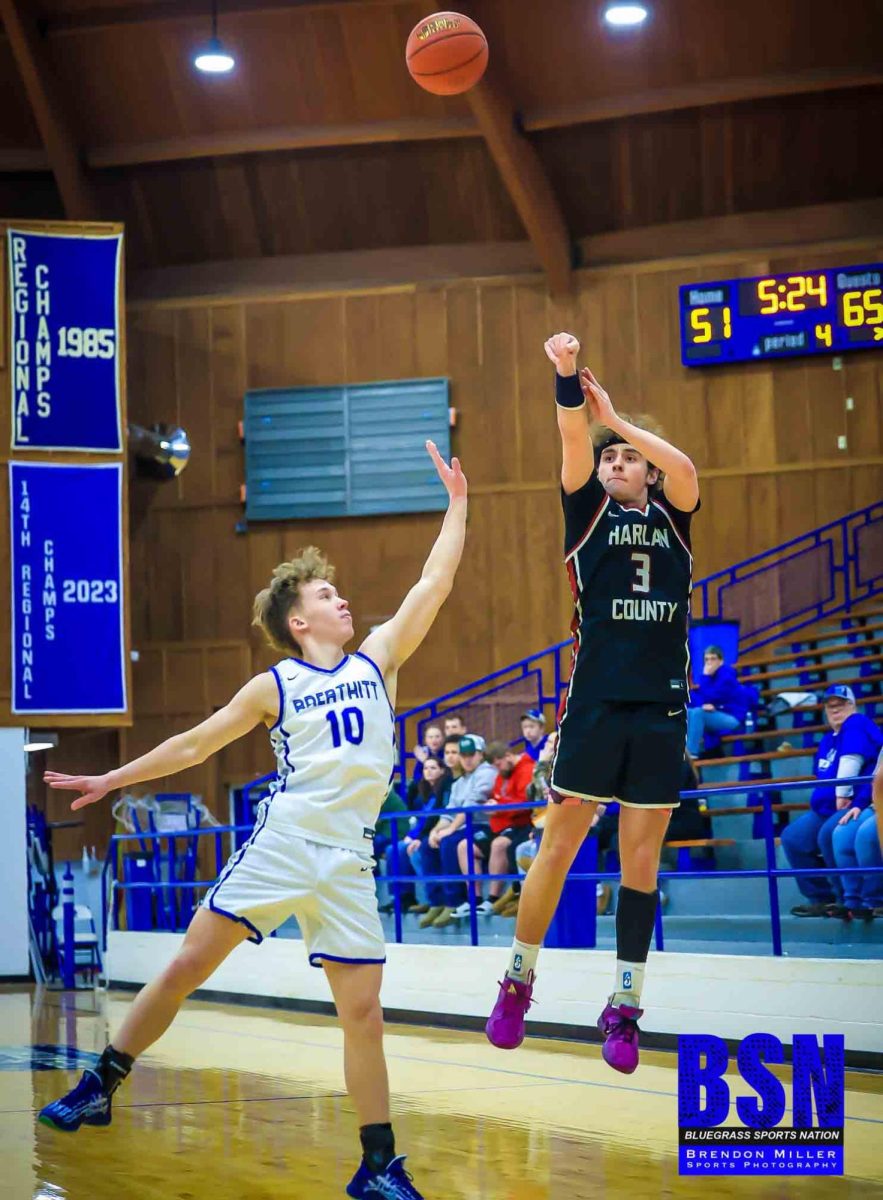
(64, 303)
(68, 640)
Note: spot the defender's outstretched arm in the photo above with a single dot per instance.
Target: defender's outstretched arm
(397, 639)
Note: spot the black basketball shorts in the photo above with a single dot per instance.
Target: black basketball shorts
(630, 752)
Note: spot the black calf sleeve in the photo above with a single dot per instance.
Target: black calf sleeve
(112, 1068)
(635, 917)
(378, 1146)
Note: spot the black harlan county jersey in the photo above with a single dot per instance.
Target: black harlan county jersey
(630, 573)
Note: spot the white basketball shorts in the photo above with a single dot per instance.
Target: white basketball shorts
(330, 891)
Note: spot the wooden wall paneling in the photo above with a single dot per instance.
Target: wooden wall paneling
(194, 408)
(153, 383)
(758, 439)
(864, 424)
(227, 373)
(466, 370)
(185, 680)
(797, 504)
(162, 531)
(826, 397)
(232, 595)
(763, 519)
(540, 456)
(431, 347)
(867, 486)
(619, 338)
(294, 343)
(201, 579)
(727, 430)
(227, 668)
(791, 412)
(495, 411)
(149, 681)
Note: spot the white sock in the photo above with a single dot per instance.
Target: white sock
(629, 984)
(522, 961)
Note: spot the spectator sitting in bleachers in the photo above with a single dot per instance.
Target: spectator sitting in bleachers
(533, 730)
(718, 704)
(455, 726)
(451, 755)
(432, 792)
(856, 842)
(431, 747)
(512, 828)
(439, 852)
(849, 749)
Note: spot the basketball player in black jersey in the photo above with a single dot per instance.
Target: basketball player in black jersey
(628, 497)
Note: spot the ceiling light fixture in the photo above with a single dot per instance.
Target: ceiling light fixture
(621, 15)
(213, 59)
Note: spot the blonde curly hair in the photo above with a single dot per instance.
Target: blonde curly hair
(273, 604)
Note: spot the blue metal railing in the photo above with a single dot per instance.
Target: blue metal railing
(397, 881)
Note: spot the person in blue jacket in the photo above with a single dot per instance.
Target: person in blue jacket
(718, 703)
(850, 748)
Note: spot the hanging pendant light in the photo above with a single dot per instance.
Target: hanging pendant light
(213, 59)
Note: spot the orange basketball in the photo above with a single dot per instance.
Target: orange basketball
(446, 53)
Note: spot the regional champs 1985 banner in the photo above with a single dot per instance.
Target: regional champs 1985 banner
(64, 340)
(68, 640)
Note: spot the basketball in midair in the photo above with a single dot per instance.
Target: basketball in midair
(446, 53)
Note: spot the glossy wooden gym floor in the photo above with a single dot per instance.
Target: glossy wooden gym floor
(248, 1103)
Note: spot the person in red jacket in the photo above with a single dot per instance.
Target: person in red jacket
(513, 827)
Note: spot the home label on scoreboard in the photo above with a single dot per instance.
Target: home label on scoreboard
(64, 306)
(778, 316)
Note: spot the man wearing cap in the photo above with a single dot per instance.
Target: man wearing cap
(439, 853)
(533, 730)
(850, 748)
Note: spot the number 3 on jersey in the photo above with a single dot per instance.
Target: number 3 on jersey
(642, 572)
(351, 723)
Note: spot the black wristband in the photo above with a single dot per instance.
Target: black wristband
(568, 393)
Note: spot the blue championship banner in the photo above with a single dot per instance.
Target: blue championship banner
(64, 343)
(769, 1137)
(68, 641)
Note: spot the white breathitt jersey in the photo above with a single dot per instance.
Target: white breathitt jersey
(335, 748)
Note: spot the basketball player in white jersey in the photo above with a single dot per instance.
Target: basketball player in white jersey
(331, 722)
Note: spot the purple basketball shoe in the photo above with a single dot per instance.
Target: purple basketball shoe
(505, 1027)
(620, 1028)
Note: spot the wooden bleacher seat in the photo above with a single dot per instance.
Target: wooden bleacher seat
(857, 681)
(737, 811)
(684, 860)
(806, 668)
(763, 756)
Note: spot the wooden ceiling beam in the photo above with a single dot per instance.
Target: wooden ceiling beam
(525, 180)
(698, 95)
(23, 162)
(86, 20)
(60, 144)
(259, 141)
(296, 137)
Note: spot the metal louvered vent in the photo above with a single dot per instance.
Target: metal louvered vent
(344, 451)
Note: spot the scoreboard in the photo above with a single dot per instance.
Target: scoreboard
(780, 316)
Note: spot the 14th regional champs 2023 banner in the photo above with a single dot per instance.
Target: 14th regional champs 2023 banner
(64, 344)
(68, 640)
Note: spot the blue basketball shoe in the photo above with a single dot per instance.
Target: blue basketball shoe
(392, 1184)
(87, 1104)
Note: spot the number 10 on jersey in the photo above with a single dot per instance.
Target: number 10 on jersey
(350, 724)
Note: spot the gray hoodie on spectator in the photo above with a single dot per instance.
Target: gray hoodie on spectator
(472, 791)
